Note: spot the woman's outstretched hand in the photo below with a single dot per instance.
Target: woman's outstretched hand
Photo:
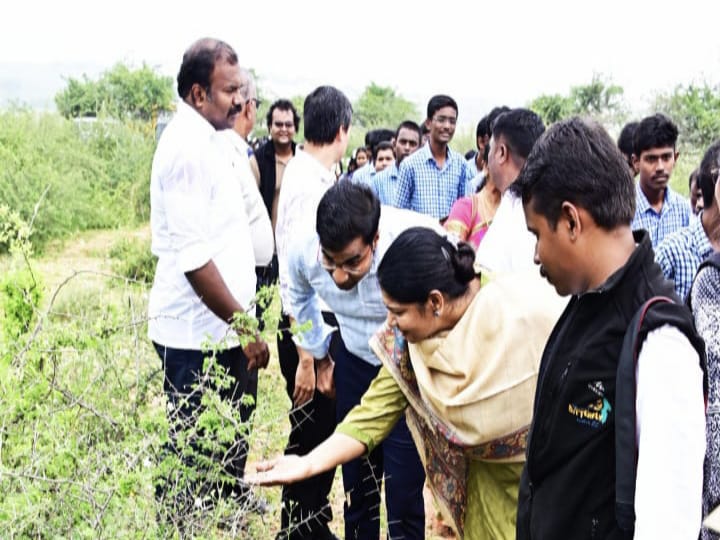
(280, 470)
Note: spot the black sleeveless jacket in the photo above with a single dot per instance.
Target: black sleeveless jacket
(567, 489)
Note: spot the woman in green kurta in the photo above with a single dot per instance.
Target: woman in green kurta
(460, 360)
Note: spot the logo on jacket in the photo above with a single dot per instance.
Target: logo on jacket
(596, 413)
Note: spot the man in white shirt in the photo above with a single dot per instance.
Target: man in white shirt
(206, 268)
(308, 175)
(577, 193)
(507, 245)
(239, 152)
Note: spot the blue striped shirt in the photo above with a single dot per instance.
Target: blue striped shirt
(674, 215)
(680, 254)
(425, 187)
(384, 183)
(364, 174)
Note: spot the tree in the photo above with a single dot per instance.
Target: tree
(600, 100)
(696, 110)
(121, 92)
(381, 106)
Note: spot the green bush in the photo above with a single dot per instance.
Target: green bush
(62, 177)
(20, 295)
(133, 259)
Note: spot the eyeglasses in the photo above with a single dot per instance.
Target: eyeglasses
(286, 125)
(445, 120)
(353, 268)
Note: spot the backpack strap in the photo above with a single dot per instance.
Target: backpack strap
(666, 311)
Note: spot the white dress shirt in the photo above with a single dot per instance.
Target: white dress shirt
(304, 183)
(260, 226)
(195, 217)
(671, 438)
(507, 245)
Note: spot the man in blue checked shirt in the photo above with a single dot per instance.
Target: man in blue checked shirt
(434, 177)
(681, 252)
(407, 140)
(658, 210)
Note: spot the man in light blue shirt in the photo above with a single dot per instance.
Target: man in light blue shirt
(339, 265)
(407, 140)
(435, 176)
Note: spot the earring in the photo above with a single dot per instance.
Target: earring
(436, 312)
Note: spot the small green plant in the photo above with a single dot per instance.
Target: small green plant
(133, 259)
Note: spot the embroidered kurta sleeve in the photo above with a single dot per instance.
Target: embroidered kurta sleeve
(378, 412)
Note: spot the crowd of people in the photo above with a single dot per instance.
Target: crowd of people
(580, 401)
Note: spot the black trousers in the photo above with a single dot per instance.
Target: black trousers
(183, 370)
(306, 508)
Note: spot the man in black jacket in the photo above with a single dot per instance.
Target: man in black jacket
(578, 197)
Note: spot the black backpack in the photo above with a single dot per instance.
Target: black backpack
(664, 311)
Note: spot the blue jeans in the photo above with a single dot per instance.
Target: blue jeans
(396, 459)
(183, 370)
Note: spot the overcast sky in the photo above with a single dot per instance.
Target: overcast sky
(482, 53)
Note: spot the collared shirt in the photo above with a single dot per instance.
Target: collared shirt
(364, 174)
(359, 311)
(196, 216)
(507, 245)
(674, 214)
(384, 183)
(304, 183)
(426, 188)
(680, 254)
(473, 165)
(260, 226)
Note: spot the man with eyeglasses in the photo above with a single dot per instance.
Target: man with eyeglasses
(239, 152)
(339, 265)
(245, 121)
(434, 177)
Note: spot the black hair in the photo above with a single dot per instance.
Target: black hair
(408, 124)
(626, 138)
(382, 145)
(493, 114)
(419, 261)
(470, 154)
(520, 128)
(708, 173)
(325, 112)
(693, 174)
(483, 128)
(577, 161)
(346, 211)
(376, 136)
(438, 102)
(199, 61)
(656, 131)
(283, 105)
